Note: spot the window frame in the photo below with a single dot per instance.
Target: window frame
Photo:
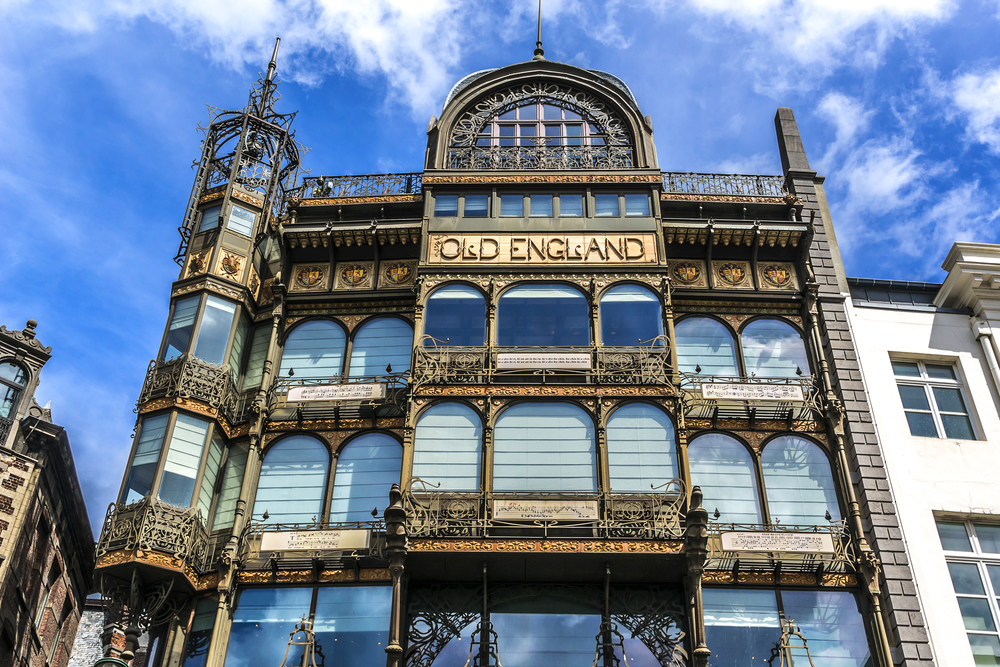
(20, 389)
(736, 335)
(928, 384)
(494, 333)
(490, 131)
(445, 286)
(219, 222)
(199, 315)
(981, 560)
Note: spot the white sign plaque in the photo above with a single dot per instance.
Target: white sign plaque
(316, 540)
(510, 360)
(545, 510)
(781, 542)
(336, 392)
(752, 392)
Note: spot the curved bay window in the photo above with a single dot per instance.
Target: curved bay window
(543, 315)
(544, 447)
(366, 468)
(640, 449)
(317, 349)
(314, 349)
(206, 337)
(380, 344)
(447, 448)
(456, 315)
(771, 348)
(705, 345)
(631, 315)
(13, 380)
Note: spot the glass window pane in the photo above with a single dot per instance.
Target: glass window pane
(258, 354)
(456, 315)
(570, 206)
(772, 348)
(552, 112)
(263, 619)
(511, 206)
(949, 399)
(508, 115)
(985, 649)
(958, 427)
(9, 398)
(314, 349)
(537, 315)
(15, 373)
(366, 468)
(544, 447)
(798, 482)
(976, 614)
(553, 132)
(606, 206)
(831, 624)
(938, 372)
(483, 140)
(196, 649)
(507, 133)
(989, 538)
(447, 447)
(210, 218)
(352, 624)
(741, 626)
(630, 315)
(229, 492)
(241, 220)
(722, 467)
(527, 133)
(239, 344)
(571, 115)
(187, 443)
(380, 343)
(906, 369)
(292, 481)
(528, 112)
(640, 449)
(705, 346)
(476, 206)
(914, 398)
(994, 572)
(181, 326)
(546, 640)
(636, 205)
(574, 135)
(965, 578)
(213, 336)
(541, 206)
(921, 424)
(147, 454)
(446, 206)
(953, 536)
(211, 476)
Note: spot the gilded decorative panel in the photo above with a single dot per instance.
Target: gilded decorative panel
(354, 275)
(777, 276)
(310, 278)
(198, 263)
(266, 296)
(397, 273)
(253, 283)
(550, 546)
(553, 249)
(731, 274)
(230, 265)
(688, 273)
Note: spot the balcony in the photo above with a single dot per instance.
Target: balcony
(436, 362)
(293, 399)
(754, 398)
(540, 156)
(780, 549)
(365, 185)
(738, 185)
(191, 378)
(301, 546)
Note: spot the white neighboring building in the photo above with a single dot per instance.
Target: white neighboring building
(928, 354)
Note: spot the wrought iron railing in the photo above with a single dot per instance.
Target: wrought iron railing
(432, 512)
(776, 547)
(349, 396)
(540, 156)
(647, 363)
(190, 377)
(150, 524)
(724, 184)
(734, 397)
(364, 185)
(254, 554)
(5, 427)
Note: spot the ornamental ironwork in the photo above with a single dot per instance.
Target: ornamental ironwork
(5, 427)
(724, 184)
(540, 156)
(734, 397)
(192, 378)
(364, 185)
(149, 524)
(337, 397)
(317, 545)
(777, 548)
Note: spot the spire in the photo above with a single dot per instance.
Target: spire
(264, 94)
(273, 65)
(539, 51)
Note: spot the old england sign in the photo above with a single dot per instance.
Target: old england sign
(636, 248)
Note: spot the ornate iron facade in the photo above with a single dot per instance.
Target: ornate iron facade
(191, 378)
(724, 184)
(365, 185)
(150, 524)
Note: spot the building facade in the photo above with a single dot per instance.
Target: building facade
(622, 407)
(46, 546)
(929, 356)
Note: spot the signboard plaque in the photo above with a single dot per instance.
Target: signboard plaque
(336, 392)
(752, 392)
(545, 510)
(778, 542)
(542, 360)
(316, 540)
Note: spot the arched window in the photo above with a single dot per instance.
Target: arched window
(366, 468)
(292, 481)
(544, 447)
(456, 314)
(640, 449)
(723, 468)
(540, 123)
(543, 315)
(798, 482)
(314, 349)
(772, 348)
(381, 342)
(12, 382)
(705, 344)
(630, 314)
(447, 447)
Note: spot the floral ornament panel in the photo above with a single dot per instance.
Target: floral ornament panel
(253, 283)
(198, 263)
(777, 276)
(688, 273)
(310, 278)
(230, 266)
(397, 273)
(731, 275)
(354, 275)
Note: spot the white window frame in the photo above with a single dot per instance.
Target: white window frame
(928, 383)
(980, 559)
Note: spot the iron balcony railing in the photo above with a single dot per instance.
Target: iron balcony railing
(310, 541)
(149, 524)
(189, 377)
(338, 397)
(5, 427)
(541, 156)
(745, 185)
(734, 397)
(364, 185)
(654, 515)
(647, 363)
(779, 548)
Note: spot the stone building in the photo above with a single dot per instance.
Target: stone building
(623, 407)
(46, 546)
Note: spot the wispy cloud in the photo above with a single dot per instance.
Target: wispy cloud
(976, 98)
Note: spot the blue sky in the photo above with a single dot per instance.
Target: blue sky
(898, 102)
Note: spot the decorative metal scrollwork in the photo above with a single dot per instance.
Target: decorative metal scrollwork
(364, 185)
(724, 184)
(190, 377)
(150, 524)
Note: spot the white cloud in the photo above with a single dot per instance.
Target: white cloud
(761, 163)
(976, 97)
(884, 175)
(849, 118)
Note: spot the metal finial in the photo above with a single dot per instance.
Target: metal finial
(539, 51)
(273, 65)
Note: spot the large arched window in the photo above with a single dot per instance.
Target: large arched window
(456, 314)
(543, 315)
(447, 447)
(544, 447)
(640, 449)
(314, 349)
(293, 481)
(366, 468)
(12, 382)
(705, 346)
(630, 315)
(541, 122)
(798, 482)
(723, 468)
(772, 348)
(380, 343)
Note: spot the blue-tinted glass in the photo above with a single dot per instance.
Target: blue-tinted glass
(506, 139)
(640, 449)
(262, 622)
(546, 640)
(957, 426)
(574, 135)
(508, 115)
(229, 492)
(187, 443)
(14, 373)
(511, 206)
(534, 315)
(181, 326)
(606, 206)
(989, 538)
(570, 206)
(147, 455)
(723, 468)
(528, 112)
(544, 447)
(241, 220)
(636, 205)
(292, 481)
(447, 447)
(366, 469)
(914, 398)
(200, 636)
(629, 315)
(314, 349)
(527, 133)
(831, 624)
(938, 372)
(772, 348)
(541, 206)
(9, 399)
(476, 206)
(741, 626)
(985, 649)
(953, 536)
(906, 368)
(551, 112)
(352, 624)
(210, 218)
(705, 344)
(799, 482)
(380, 343)
(966, 580)
(921, 424)
(949, 399)
(446, 206)
(456, 314)
(213, 336)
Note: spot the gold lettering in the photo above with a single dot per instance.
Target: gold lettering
(610, 247)
(483, 251)
(470, 252)
(537, 248)
(446, 254)
(556, 254)
(638, 241)
(514, 241)
(594, 247)
(575, 251)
